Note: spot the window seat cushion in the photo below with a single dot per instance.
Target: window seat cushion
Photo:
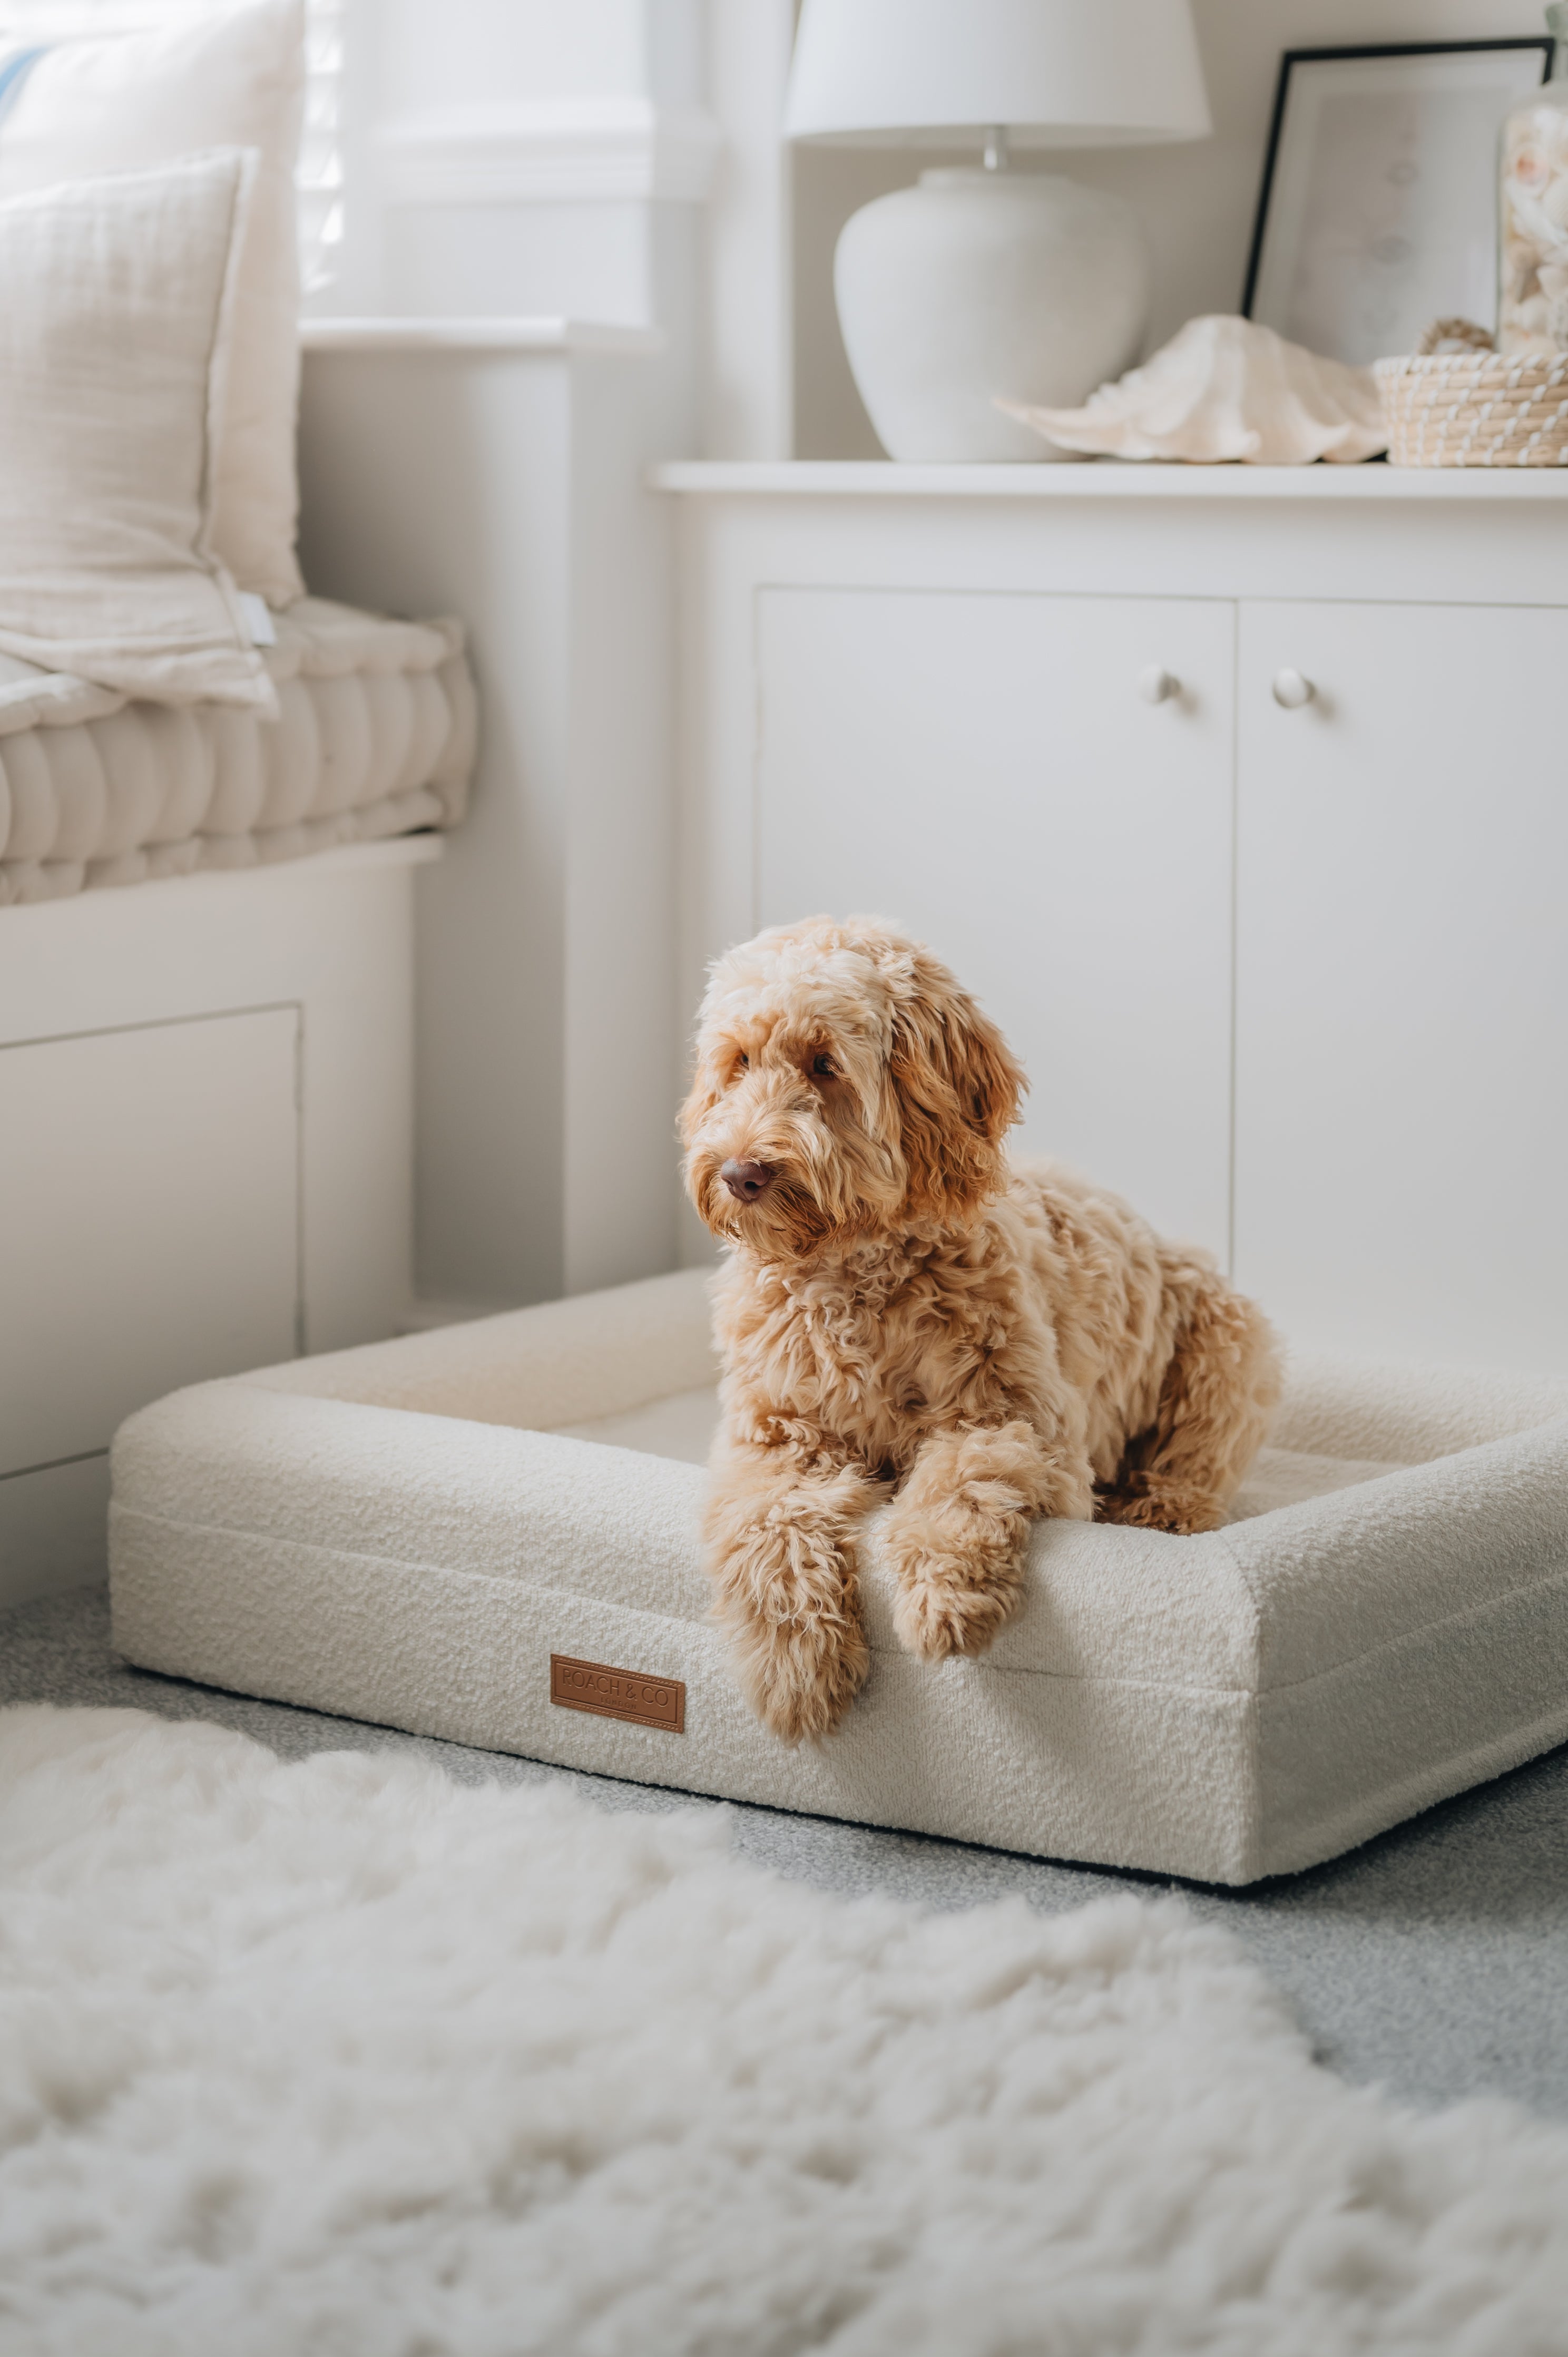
(375, 738)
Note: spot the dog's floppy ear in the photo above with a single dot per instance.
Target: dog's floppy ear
(957, 1086)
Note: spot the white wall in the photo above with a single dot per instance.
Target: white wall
(613, 160)
(533, 160)
(1197, 202)
(526, 157)
(504, 482)
(748, 373)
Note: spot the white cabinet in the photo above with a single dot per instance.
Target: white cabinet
(149, 1221)
(1402, 980)
(206, 1156)
(1290, 969)
(989, 771)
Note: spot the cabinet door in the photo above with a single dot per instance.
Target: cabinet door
(985, 769)
(149, 1224)
(1403, 980)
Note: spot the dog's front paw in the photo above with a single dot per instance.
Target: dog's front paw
(948, 1605)
(801, 1675)
(784, 1569)
(1143, 1502)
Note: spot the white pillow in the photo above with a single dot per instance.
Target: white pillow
(116, 297)
(121, 104)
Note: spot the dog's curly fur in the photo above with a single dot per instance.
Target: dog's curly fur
(902, 1314)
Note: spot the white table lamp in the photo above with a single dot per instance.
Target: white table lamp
(990, 281)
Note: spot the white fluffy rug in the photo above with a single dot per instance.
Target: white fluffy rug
(341, 2060)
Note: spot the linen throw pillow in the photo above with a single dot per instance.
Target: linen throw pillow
(116, 297)
(234, 78)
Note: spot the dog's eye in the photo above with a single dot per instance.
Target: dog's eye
(743, 1062)
(825, 1068)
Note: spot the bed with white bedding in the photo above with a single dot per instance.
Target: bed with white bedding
(375, 738)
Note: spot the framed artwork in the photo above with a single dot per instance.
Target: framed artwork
(1379, 208)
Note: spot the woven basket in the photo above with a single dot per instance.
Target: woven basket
(1475, 407)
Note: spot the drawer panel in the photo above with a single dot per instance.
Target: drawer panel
(149, 1221)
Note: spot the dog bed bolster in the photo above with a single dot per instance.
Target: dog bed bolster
(403, 1533)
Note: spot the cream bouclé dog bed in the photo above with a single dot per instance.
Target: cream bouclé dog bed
(490, 1533)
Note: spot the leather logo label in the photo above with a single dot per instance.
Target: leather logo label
(618, 1694)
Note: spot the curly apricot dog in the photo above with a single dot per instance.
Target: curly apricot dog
(900, 1313)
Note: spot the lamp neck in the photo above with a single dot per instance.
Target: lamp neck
(998, 154)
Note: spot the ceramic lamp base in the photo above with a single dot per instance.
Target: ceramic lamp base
(976, 285)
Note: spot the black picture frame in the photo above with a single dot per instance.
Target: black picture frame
(1543, 43)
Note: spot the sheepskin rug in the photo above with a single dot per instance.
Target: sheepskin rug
(339, 2058)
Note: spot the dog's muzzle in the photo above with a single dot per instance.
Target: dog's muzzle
(746, 1180)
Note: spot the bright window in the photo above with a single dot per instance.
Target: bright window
(319, 179)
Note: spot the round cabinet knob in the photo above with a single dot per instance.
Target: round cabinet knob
(1157, 685)
(1293, 689)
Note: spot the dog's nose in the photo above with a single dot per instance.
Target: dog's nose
(745, 1180)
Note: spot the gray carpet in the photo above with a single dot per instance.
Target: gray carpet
(1433, 1961)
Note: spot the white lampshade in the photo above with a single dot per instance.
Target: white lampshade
(1054, 73)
